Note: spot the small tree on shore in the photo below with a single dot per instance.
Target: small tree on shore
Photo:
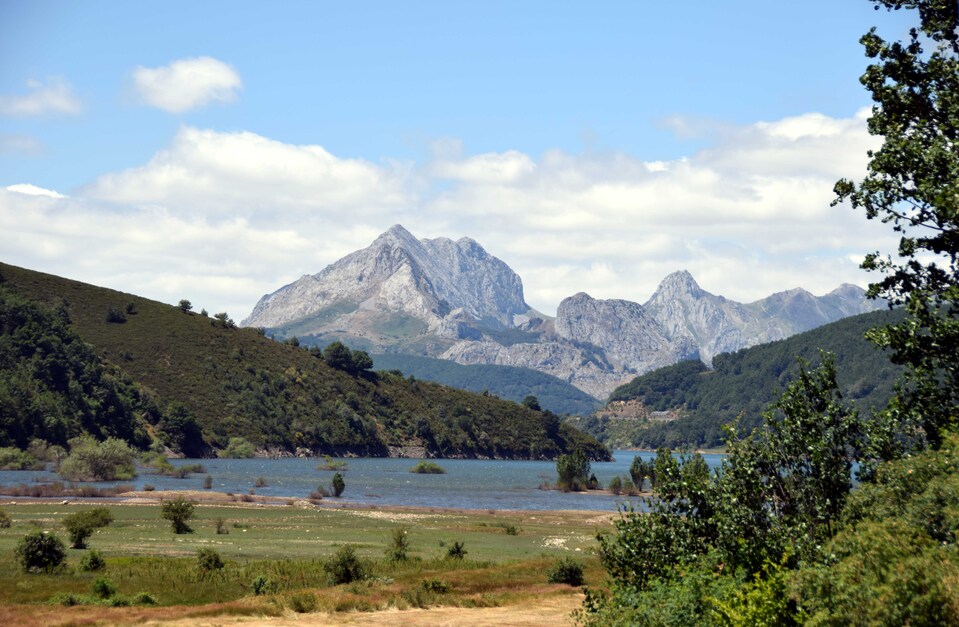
(39, 552)
(178, 511)
(573, 471)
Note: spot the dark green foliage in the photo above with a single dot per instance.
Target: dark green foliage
(115, 315)
(532, 402)
(263, 585)
(911, 184)
(92, 561)
(337, 355)
(12, 458)
(238, 383)
(178, 511)
(338, 484)
(743, 383)
(303, 602)
(456, 551)
(566, 570)
(572, 471)
(38, 552)
(5, 521)
(345, 567)
(185, 306)
(81, 525)
(54, 387)
(103, 588)
(506, 382)
(208, 560)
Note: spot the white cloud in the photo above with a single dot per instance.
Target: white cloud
(54, 96)
(20, 144)
(187, 84)
(33, 190)
(222, 218)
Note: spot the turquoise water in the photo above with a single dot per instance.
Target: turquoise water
(467, 484)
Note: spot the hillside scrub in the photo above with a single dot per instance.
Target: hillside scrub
(219, 383)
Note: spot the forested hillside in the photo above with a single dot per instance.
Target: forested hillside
(507, 382)
(741, 384)
(202, 381)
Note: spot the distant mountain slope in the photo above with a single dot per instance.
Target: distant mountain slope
(236, 382)
(506, 382)
(455, 301)
(744, 383)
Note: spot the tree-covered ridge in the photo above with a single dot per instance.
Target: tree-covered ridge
(53, 387)
(742, 384)
(214, 381)
(507, 382)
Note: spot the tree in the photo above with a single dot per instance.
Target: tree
(338, 484)
(81, 525)
(573, 470)
(185, 305)
(913, 184)
(531, 402)
(38, 552)
(89, 460)
(178, 511)
(337, 355)
(180, 430)
(225, 320)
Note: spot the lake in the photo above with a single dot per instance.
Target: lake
(467, 484)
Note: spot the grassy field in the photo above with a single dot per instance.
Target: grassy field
(508, 555)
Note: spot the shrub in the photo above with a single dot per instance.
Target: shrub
(5, 521)
(566, 570)
(80, 525)
(437, 586)
(92, 561)
(239, 448)
(427, 468)
(38, 552)
(260, 482)
(90, 460)
(178, 511)
(616, 485)
(149, 487)
(115, 315)
(456, 551)
(12, 458)
(303, 602)
(221, 528)
(208, 560)
(104, 588)
(143, 598)
(573, 471)
(208, 482)
(345, 567)
(262, 585)
(399, 545)
(338, 484)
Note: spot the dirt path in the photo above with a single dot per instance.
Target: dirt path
(553, 611)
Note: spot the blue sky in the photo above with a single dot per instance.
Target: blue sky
(217, 150)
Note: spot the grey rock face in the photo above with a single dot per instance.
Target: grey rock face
(456, 301)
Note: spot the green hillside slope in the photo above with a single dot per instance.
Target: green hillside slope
(507, 382)
(743, 383)
(235, 382)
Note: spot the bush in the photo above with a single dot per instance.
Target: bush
(573, 471)
(427, 468)
(456, 551)
(338, 484)
(178, 511)
(208, 560)
(80, 525)
(5, 521)
(566, 570)
(262, 585)
(12, 458)
(437, 586)
(89, 460)
(345, 567)
(239, 448)
(92, 561)
(399, 546)
(104, 588)
(303, 602)
(208, 482)
(221, 528)
(260, 482)
(616, 485)
(38, 552)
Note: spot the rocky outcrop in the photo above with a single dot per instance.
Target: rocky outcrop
(452, 299)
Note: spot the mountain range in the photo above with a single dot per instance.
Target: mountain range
(453, 300)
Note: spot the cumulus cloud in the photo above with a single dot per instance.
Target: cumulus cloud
(187, 84)
(222, 218)
(53, 96)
